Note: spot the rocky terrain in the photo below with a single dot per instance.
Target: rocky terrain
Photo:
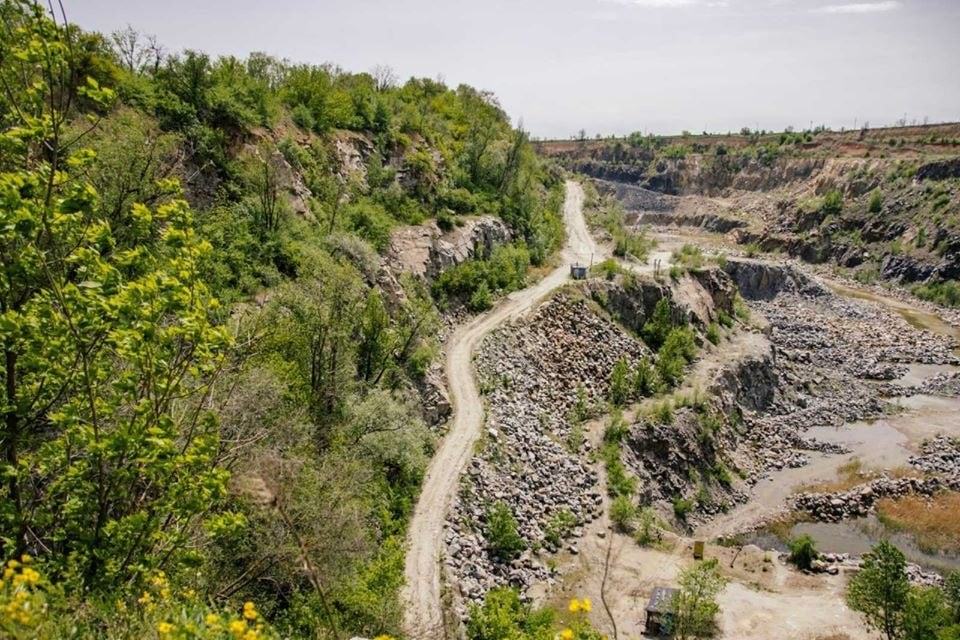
(532, 372)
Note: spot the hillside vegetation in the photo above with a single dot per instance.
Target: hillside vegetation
(211, 423)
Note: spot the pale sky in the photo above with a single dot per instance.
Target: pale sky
(607, 66)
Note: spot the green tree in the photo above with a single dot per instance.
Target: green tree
(505, 541)
(109, 455)
(619, 383)
(645, 382)
(879, 591)
(951, 589)
(926, 614)
(502, 616)
(655, 329)
(694, 605)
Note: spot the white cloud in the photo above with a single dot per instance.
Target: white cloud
(860, 7)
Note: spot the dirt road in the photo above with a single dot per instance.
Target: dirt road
(421, 596)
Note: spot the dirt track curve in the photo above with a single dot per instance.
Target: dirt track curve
(421, 596)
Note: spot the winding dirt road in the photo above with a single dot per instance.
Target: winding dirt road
(421, 596)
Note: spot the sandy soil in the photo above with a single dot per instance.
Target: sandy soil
(764, 598)
(422, 593)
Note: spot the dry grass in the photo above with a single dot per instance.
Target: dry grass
(933, 522)
(852, 474)
(783, 525)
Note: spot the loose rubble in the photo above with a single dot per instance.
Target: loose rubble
(531, 373)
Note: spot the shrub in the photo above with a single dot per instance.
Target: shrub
(663, 412)
(678, 349)
(681, 507)
(645, 381)
(623, 513)
(655, 329)
(609, 268)
(505, 542)
(832, 202)
(619, 383)
(713, 333)
(648, 527)
(803, 551)
(480, 299)
(876, 201)
(946, 293)
(559, 527)
(619, 483)
(502, 615)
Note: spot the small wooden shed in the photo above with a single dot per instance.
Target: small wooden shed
(578, 271)
(659, 611)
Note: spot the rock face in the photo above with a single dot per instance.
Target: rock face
(763, 281)
(940, 170)
(697, 297)
(425, 251)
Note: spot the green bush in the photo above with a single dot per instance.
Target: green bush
(677, 351)
(619, 383)
(559, 527)
(832, 202)
(876, 201)
(648, 527)
(623, 513)
(946, 293)
(655, 329)
(504, 540)
(503, 616)
(619, 482)
(713, 333)
(682, 507)
(476, 281)
(803, 551)
(645, 381)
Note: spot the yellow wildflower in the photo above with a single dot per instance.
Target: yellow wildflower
(212, 620)
(574, 606)
(238, 628)
(566, 634)
(249, 611)
(13, 564)
(586, 605)
(146, 598)
(165, 628)
(26, 558)
(383, 637)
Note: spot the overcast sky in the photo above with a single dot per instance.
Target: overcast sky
(607, 66)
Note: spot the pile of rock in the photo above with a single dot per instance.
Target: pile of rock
(833, 563)
(858, 502)
(939, 455)
(532, 373)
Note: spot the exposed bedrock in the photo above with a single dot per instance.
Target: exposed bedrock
(764, 281)
(424, 251)
(697, 297)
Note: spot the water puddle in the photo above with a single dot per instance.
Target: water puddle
(917, 318)
(857, 537)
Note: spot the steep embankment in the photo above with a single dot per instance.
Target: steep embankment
(423, 607)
